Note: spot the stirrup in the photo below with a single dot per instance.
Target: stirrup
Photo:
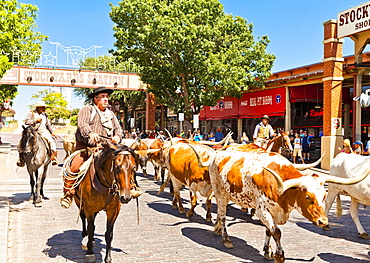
(20, 163)
(135, 192)
(54, 161)
(66, 201)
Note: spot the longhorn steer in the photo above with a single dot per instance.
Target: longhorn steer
(271, 185)
(69, 144)
(155, 158)
(182, 165)
(364, 99)
(348, 166)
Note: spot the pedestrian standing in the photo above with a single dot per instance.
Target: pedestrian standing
(219, 135)
(358, 148)
(244, 139)
(297, 147)
(198, 137)
(306, 143)
(346, 147)
(367, 147)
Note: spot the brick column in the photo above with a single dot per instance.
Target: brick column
(332, 82)
(150, 112)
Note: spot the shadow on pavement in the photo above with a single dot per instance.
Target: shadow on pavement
(19, 198)
(209, 239)
(342, 227)
(68, 245)
(3, 202)
(330, 257)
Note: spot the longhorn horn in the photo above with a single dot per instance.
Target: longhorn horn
(302, 167)
(225, 145)
(283, 186)
(347, 181)
(217, 143)
(169, 135)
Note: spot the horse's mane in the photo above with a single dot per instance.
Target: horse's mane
(26, 130)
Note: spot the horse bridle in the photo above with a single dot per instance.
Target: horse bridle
(32, 131)
(114, 186)
(284, 145)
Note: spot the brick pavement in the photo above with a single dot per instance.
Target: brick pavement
(51, 234)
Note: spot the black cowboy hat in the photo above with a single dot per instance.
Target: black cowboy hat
(100, 90)
(266, 117)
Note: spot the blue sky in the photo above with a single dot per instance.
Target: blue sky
(294, 28)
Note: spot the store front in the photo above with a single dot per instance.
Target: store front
(242, 115)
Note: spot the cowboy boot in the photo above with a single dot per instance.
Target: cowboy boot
(54, 160)
(66, 200)
(68, 190)
(20, 162)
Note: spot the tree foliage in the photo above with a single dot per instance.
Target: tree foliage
(7, 92)
(56, 104)
(191, 53)
(20, 43)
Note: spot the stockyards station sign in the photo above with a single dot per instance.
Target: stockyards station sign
(354, 20)
(71, 78)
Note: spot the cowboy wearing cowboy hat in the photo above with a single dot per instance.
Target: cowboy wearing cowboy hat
(263, 132)
(39, 120)
(95, 123)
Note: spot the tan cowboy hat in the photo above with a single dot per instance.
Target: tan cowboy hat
(266, 117)
(100, 90)
(40, 103)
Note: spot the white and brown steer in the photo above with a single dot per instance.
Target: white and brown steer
(270, 184)
(183, 170)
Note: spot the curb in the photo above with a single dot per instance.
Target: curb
(4, 219)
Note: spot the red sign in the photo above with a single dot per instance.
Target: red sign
(252, 105)
(226, 108)
(264, 102)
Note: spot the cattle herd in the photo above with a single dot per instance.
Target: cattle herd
(256, 178)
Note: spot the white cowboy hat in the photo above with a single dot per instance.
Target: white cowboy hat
(40, 103)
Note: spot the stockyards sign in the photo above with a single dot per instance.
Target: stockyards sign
(71, 78)
(354, 20)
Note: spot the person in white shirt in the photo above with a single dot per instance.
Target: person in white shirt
(263, 132)
(39, 120)
(297, 145)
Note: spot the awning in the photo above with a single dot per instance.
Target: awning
(252, 105)
(226, 108)
(307, 93)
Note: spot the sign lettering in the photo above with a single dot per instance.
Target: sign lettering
(71, 78)
(354, 20)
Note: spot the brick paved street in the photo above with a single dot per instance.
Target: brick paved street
(51, 234)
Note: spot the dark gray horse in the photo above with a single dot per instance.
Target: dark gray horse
(36, 155)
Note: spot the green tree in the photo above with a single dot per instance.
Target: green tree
(20, 43)
(7, 92)
(73, 118)
(56, 104)
(191, 53)
(129, 100)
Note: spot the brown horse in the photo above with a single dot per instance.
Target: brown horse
(108, 183)
(282, 142)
